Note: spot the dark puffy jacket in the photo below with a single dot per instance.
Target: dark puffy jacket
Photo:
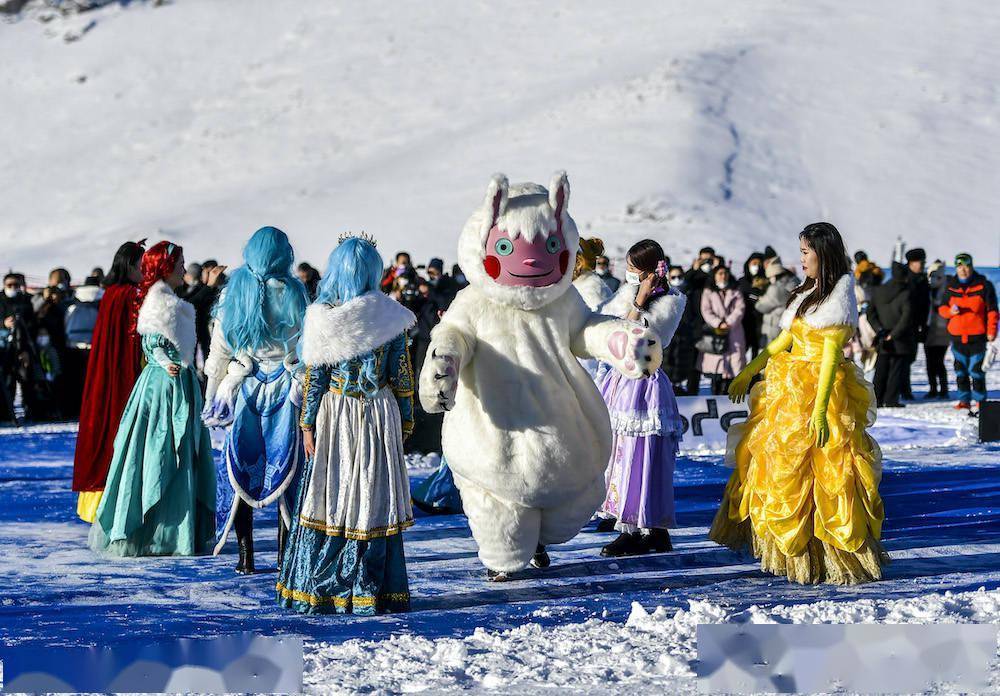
(891, 314)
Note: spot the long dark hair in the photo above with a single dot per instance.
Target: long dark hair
(128, 255)
(825, 240)
(646, 256)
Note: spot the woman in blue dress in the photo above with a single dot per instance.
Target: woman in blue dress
(345, 547)
(253, 390)
(159, 499)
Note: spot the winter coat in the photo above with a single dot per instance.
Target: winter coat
(920, 303)
(81, 317)
(772, 303)
(718, 306)
(977, 302)
(680, 356)
(752, 287)
(891, 313)
(609, 280)
(937, 330)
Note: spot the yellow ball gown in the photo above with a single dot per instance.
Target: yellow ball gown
(813, 514)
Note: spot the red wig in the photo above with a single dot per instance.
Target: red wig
(158, 263)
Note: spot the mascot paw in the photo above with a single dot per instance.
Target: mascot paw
(439, 382)
(637, 352)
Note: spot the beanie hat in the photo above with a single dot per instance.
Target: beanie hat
(917, 254)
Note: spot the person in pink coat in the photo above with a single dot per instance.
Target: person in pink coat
(722, 307)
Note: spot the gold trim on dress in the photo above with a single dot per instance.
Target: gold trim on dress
(340, 602)
(355, 534)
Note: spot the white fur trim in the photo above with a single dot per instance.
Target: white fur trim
(594, 291)
(164, 313)
(663, 314)
(333, 334)
(839, 309)
(526, 210)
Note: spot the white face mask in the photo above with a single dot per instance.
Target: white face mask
(722, 285)
(676, 282)
(753, 268)
(11, 292)
(706, 267)
(632, 278)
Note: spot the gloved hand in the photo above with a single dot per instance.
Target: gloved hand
(741, 383)
(832, 355)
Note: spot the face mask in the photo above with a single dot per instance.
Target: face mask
(11, 292)
(401, 269)
(722, 285)
(632, 278)
(601, 270)
(754, 269)
(43, 341)
(676, 282)
(706, 267)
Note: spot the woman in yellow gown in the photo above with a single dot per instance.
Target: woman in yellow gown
(804, 494)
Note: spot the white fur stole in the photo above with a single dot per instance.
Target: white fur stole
(332, 334)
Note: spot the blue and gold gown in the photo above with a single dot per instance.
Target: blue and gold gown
(345, 549)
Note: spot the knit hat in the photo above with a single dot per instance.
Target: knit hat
(437, 264)
(963, 259)
(917, 254)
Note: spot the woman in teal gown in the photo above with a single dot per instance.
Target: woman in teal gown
(160, 495)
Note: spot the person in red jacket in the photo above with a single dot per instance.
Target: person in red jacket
(112, 371)
(970, 306)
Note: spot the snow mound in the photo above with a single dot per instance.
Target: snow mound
(652, 649)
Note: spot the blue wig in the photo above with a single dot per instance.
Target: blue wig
(353, 269)
(263, 301)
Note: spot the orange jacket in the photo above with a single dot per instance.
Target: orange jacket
(977, 308)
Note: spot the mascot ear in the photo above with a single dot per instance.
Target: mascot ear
(496, 198)
(559, 194)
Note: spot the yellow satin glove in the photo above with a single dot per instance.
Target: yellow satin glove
(741, 383)
(833, 353)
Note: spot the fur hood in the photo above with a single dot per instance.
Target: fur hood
(164, 313)
(663, 314)
(523, 210)
(335, 333)
(839, 309)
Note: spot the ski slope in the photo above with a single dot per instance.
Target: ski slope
(691, 121)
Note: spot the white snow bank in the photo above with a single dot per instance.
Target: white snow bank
(652, 649)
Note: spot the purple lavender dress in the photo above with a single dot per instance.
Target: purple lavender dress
(646, 429)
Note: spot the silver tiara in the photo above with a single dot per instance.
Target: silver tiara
(363, 236)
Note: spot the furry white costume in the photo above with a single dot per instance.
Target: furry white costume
(527, 434)
(592, 289)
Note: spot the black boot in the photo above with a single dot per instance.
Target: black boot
(541, 558)
(244, 537)
(282, 538)
(932, 394)
(627, 544)
(497, 575)
(606, 524)
(658, 541)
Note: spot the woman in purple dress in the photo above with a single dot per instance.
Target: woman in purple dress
(644, 419)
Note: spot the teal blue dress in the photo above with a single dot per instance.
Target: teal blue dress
(160, 496)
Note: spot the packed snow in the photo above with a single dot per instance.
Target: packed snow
(692, 122)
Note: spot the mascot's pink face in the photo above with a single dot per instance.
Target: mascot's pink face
(536, 264)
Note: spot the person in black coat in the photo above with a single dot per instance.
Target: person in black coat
(203, 284)
(752, 286)
(680, 357)
(891, 316)
(920, 312)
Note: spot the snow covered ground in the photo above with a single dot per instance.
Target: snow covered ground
(691, 121)
(587, 624)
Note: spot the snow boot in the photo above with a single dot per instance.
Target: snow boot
(627, 544)
(497, 575)
(541, 558)
(244, 537)
(658, 541)
(606, 524)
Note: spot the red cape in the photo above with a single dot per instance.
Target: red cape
(112, 371)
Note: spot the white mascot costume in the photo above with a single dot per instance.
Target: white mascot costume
(527, 434)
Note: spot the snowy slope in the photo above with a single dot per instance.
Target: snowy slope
(688, 121)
